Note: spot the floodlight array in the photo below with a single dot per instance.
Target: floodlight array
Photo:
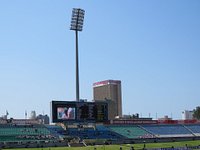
(77, 19)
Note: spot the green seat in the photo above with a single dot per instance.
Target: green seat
(129, 131)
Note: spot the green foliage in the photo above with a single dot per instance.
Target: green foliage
(196, 113)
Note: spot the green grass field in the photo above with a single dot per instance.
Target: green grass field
(125, 147)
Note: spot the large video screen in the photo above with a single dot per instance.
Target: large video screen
(66, 111)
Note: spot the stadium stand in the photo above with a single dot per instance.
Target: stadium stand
(131, 131)
(101, 132)
(39, 135)
(194, 128)
(10, 132)
(168, 130)
(57, 131)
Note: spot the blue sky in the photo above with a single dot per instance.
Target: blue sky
(152, 46)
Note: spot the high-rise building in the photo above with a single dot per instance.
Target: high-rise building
(110, 91)
(33, 115)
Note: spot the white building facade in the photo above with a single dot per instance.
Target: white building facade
(187, 115)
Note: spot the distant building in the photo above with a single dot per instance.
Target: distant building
(165, 118)
(133, 116)
(43, 119)
(33, 115)
(110, 91)
(4, 117)
(187, 115)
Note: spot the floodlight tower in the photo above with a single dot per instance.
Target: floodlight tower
(77, 25)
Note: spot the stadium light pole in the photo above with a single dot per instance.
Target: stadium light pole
(77, 25)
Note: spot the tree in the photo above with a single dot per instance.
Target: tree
(196, 113)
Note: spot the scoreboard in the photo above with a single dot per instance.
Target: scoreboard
(73, 111)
